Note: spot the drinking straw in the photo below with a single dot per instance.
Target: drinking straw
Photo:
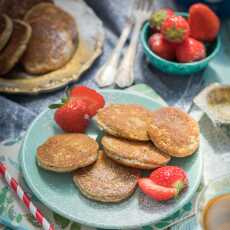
(12, 183)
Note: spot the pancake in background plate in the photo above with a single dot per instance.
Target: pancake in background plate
(106, 181)
(67, 152)
(15, 47)
(54, 34)
(6, 29)
(18, 8)
(129, 121)
(136, 154)
(174, 132)
(53, 13)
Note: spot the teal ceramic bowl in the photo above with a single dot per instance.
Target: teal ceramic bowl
(172, 67)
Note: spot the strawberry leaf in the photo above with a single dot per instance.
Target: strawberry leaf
(179, 185)
(55, 106)
(67, 91)
(64, 100)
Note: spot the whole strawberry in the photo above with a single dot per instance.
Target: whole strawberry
(175, 29)
(170, 177)
(93, 99)
(158, 17)
(203, 22)
(162, 47)
(190, 50)
(157, 192)
(72, 115)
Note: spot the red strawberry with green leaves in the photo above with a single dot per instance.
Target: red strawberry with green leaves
(203, 22)
(71, 115)
(157, 192)
(158, 17)
(190, 50)
(175, 29)
(93, 99)
(162, 47)
(170, 177)
(76, 108)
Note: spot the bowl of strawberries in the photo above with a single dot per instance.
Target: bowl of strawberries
(181, 43)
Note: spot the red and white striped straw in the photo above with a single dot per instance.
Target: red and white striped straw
(24, 198)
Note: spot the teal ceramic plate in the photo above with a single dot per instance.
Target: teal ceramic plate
(58, 192)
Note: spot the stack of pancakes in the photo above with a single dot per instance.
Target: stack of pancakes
(127, 140)
(158, 135)
(135, 139)
(37, 34)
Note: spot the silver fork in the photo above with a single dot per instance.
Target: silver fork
(125, 74)
(106, 74)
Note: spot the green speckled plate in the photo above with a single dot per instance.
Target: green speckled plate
(58, 192)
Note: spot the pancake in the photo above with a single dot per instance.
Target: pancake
(106, 181)
(55, 46)
(67, 152)
(125, 120)
(6, 29)
(174, 132)
(15, 47)
(136, 154)
(18, 8)
(53, 13)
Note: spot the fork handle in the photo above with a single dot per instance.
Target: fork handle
(125, 76)
(131, 52)
(106, 74)
(121, 42)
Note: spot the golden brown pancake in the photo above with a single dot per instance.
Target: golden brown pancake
(136, 154)
(125, 120)
(106, 180)
(6, 29)
(15, 47)
(53, 13)
(18, 8)
(174, 132)
(67, 152)
(50, 47)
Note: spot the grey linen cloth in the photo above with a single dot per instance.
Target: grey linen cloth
(17, 111)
